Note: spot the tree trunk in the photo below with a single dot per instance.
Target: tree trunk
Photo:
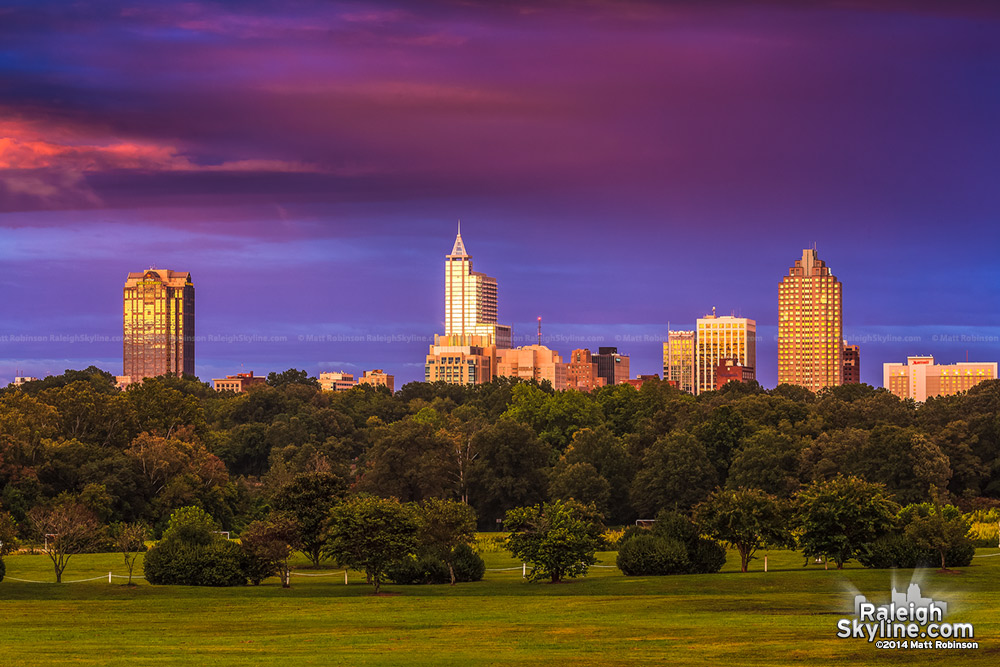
(941, 551)
(555, 576)
(451, 571)
(744, 560)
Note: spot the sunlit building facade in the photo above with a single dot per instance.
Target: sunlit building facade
(336, 381)
(379, 378)
(239, 383)
(920, 378)
(719, 338)
(470, 299)
(810, 325)
(158, 324)
(581, 371)
(852, 364)
(533, 362)
(678, 359)
(461, 360)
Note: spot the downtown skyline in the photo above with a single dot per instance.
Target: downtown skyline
(615, 170)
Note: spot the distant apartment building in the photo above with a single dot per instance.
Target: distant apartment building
(461, 360)
(678, 359)
(611, 365)
(533, 362)
(336, 381)
(238, 383)
(581, 371)
(920, 378)
(379, 378)
(852, 364)
(719, 338)
(158, 316)
(810, 325)
(730, 370)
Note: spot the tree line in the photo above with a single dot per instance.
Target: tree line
(138, 455)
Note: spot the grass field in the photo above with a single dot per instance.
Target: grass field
(786, 616)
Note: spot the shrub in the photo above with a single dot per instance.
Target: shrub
(895, 550)
(706, 556)
(220, 563)
(3, 569)
(653, 555)
(428, 569)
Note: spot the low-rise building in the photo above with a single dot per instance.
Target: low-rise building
(730, 370)
(339, 381)
(238, 383)
(581, 372)
(611, 365)
(920, 378)
(533, 362)
(378, 378)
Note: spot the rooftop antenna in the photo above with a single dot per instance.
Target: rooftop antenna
(539, 330)
(459, 226)
(713, 311)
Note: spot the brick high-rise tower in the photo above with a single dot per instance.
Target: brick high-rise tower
(158, 324)
(810, 325)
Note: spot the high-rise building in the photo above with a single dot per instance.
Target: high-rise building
(158, 324)
(810, 325)
(611, 366)
(470, 299)
(678, 359)
(581, 371)
(920, 378)
(719, 338)
(533, 362)
(379, 378)
(467, 352)
(852, 364)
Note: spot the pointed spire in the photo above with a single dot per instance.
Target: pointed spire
(459, 249)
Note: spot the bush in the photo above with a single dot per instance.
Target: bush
(427, 569)
(653, 555)
(220, 563)
(706, 556)
(3, 569)
(896, 551)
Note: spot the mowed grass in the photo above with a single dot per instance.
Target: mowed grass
(786, 616)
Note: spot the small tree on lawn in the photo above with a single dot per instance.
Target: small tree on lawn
(8, 534)
(369, 533)
(934, 527)
(270, 543)
(558, 539)
(746, 519)
(442, 526)
(838, 517)
(72, 529)
(308, 498)
(129, 539)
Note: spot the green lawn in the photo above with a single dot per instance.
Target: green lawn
(785, 616)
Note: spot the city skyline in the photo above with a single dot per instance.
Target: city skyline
(618, 167)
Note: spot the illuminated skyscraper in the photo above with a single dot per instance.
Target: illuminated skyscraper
(470, 299)
(158, 324)
(720, 338)
(678, 359)
(810, 325)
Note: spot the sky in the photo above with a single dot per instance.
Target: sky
(617, 166)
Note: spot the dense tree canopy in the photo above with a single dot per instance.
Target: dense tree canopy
(140, 454)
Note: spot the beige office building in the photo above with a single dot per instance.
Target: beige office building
(810, 325)
(336, 381)
(920, 378)
(379, 378)
(239, 383)
(461, 360)
(533, 362)
(158, 324)
(720, 338)
(678, 359)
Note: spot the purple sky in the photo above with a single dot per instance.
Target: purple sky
(615, 165)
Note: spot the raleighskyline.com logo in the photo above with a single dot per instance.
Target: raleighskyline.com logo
(908, 621)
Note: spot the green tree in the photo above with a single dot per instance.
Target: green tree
(510, 469)
(582, 482)
(291, 376)
(935, 527)
(746, 519)
(675, 474)
(309, 497)
(191, 526)
(558, 539)
(408, 460)
(838, 517)
(369, 533)
(8, 534)
(442, 526)
(770, 461)
(269, 544)
(600, 448)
